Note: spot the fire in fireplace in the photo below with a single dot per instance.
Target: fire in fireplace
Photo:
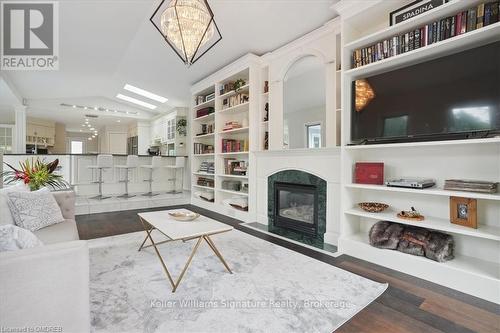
(296, 207)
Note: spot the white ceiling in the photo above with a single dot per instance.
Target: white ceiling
(105, 44)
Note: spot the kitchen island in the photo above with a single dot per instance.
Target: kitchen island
(75, 170)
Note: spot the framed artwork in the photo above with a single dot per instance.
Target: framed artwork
(463, 211)
(413, 9)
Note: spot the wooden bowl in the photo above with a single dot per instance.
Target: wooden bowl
(373, 207)
(184, 216)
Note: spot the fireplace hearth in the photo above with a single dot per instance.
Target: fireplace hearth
(297, 206)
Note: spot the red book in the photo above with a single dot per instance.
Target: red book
(369, 173)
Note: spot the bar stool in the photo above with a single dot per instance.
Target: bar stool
(103, 162)
(132, 163)
(179, 164)
(155, 164)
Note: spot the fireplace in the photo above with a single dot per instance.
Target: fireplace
(296, 207)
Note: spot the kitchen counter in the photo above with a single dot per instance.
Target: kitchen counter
(74, 168)
(68, 154)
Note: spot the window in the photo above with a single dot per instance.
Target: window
(76, 147)
(6, 132)
(313, 132)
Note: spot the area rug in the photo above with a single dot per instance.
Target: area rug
(273, 289)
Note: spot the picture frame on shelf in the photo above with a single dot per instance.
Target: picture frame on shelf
(463, 211)
(413, 9)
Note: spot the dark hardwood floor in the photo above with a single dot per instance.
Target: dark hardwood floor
(410, 304)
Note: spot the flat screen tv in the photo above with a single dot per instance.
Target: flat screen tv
(453, 97)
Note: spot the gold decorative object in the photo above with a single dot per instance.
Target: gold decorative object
(364, 94)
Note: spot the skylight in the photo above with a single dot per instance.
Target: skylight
(145, 93)
(136, 101)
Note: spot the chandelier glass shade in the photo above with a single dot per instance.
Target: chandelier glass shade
(188, 26)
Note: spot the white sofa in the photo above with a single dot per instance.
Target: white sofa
(48, 286)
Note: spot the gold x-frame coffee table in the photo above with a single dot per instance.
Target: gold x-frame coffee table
(201, 229)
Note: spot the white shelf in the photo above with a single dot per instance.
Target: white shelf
(471, 275)
(205, 174)
(427, 144)
(203, 136)
(234, 153)
(462, 263)
(427, 191)
(232, 176)
(234, 92)
(207, 117)
(204, 187)
(449, 46)
(234, 192)
(236, 109)
(235, 130)
(202, 155)
(264, 123)
(450, 8)
(204, 104)
(484, 231)
(265, 94)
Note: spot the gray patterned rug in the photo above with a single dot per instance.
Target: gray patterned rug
(273, 289)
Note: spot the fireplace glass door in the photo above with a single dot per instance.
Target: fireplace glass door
(296, 207)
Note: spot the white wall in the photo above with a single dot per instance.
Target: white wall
(296, 122)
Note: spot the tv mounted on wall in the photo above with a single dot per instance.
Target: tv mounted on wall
(453, 97)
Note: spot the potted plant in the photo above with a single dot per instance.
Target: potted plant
(36, 174)
(238, 84)
(181, 127)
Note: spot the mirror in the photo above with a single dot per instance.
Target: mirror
(304, 104)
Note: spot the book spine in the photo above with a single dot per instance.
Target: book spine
(442, 28)
(407, 38)
(480, 16)
(416, 39)
(453, 26)
(463, 28)
(471, 19)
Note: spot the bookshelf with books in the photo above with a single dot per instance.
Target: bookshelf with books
(475, 269)
(229, 133)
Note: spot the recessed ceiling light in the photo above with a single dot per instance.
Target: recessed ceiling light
(118, 120)
(81, 131)
(95, 108)
(92, 128)
(74, 106)
(90, 139)
(83, 125)
(89, 126)
(145, 93)
(136, 101)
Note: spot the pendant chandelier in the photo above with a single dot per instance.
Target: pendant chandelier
(188, 26)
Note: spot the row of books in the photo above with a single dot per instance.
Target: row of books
(206, 129)
(207, 167)
(207, 182)
(474, 18)
(230, 125)
(470, 186)
(201, 148)
(204, 98)
(235, 100)
(204, 112)
(232, 145)
(236, 167)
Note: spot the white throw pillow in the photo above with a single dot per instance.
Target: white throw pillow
(34, 210)
(5, 215)
(14, 238)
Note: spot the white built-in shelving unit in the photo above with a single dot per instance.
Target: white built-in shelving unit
(476, 267)
(264, 99)
(247, 114)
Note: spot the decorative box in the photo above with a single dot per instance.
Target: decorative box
(369, 173)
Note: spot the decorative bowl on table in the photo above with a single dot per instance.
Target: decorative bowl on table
(373, 207)
(184, 216)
